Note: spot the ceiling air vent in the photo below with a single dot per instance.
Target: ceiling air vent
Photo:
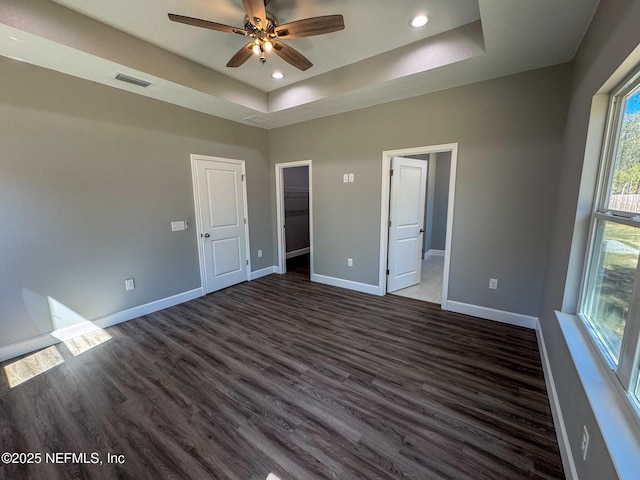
(256, 119)
(134, 81)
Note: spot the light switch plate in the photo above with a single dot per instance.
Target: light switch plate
(351, 178)
(345, 178)
(178, 226)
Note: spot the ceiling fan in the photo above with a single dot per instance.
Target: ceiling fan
(266, 34)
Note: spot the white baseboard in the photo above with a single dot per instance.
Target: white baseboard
(46, 340)
(29, 345)
(491, 314)
(433, 253)
(564, 445)
(135, 312)
(351, 285)
(297, 253)
(263, 272)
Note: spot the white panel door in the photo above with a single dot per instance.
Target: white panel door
(406, 214)
(223, 234)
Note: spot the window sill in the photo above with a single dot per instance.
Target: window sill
(618, 424)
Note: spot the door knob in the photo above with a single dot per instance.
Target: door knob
(422, 230)
(206, 235)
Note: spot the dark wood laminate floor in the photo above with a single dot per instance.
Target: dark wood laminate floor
(296, 379)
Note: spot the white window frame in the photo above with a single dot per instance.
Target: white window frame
(626, 369)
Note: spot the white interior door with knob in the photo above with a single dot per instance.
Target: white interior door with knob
(220, 197)
(406, 217)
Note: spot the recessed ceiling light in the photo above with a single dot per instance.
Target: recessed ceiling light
(278, 75)
(419, 21)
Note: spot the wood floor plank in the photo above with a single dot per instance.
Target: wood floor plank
(301, 380)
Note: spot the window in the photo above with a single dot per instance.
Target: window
(610, 301)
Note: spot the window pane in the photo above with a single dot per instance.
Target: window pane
(625, 186)
(614, 262)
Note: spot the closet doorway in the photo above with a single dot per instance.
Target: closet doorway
(295, 217)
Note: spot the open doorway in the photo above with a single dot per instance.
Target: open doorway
(294, 212)
(416, 221)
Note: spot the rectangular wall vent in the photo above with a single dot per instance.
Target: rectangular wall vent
(256, 119)
(134, 81)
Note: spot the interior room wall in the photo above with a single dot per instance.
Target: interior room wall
(90, 179)
(296, 207)
(509, 133)
(428, 210)
(612, 36)
(441, 200)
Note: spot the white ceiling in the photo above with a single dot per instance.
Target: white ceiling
(377, 58)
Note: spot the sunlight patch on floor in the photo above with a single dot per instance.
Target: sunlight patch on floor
(76, 332)
(82, 343)
(32, 366)
(81, 337)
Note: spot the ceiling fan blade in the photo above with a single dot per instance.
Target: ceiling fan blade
(311, 26)
(257, 12)
(292, 56)
(197, 22)
(242, 56)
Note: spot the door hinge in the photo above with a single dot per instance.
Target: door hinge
(245, 221)
(247, 262)
(389, 223)
(243, 177)
(388, 271)
(391, 172)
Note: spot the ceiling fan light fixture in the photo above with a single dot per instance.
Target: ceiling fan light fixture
(265, 33)
(419, 21)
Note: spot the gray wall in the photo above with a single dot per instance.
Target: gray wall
(440, 200)
(509, 132)
(613, 35)
(90, 179)
(428, 211)
(296, 207)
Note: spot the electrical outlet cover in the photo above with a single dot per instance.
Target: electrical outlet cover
(584, 443)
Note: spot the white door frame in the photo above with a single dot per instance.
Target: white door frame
(282, 249)
(198, 211)
(387, 156)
